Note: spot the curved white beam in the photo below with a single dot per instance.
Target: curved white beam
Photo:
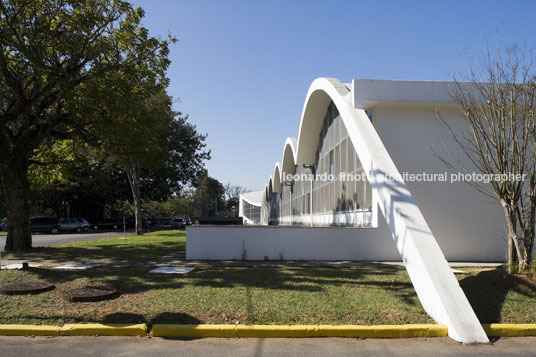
(288, 162)
(434, 282)
(276, 179)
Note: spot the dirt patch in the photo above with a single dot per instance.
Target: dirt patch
(522, 283)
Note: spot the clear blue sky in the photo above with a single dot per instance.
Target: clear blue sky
(241, 69)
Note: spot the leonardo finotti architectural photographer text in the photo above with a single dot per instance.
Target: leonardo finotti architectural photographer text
(411, 177)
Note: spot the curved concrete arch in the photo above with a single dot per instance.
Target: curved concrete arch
(270, 187)
(288, 162)
(276, 179)
(434, 282)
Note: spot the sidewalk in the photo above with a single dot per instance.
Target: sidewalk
(179, 258)
(127, 346)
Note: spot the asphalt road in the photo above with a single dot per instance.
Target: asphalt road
(45, 240)
(128, 346)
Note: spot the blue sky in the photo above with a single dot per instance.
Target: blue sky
(241, 69)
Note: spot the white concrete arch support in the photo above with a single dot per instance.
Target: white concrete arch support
(434, 282)
(276, 178)
(288, 162)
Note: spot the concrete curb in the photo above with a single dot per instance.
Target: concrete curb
(510, 330)
(267, 331)
(29, 330)
(75, 330)
(259, 331)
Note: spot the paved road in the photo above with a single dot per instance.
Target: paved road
(45, 240)
(127, 346)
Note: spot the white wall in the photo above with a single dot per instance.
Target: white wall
(315, 243)
(295, 243)
(467, 225)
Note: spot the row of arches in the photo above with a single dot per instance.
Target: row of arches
(327, 188)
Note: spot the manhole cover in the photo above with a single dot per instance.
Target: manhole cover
(90, 293)
(25, 287)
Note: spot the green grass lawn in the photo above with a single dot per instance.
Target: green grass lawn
(371, 294)
(261, 295)
(149, 246)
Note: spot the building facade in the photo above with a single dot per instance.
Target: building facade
(366, 167)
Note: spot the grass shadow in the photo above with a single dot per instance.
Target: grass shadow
(175, 318)
(486, 293)
(123, 318)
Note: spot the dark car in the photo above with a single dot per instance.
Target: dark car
(148, 222)
(71, 224)
(130, 222)
(3, 224)
(45, 224)
(107, 223)
(85, 224)
(178, 223)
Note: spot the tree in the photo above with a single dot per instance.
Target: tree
(49, 48)
(129, 118)
(184, 161)
(136, 127)
(208, 196)
(498, 102)
(75, 181)
(232, 198)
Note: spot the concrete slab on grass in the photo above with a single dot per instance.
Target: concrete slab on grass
(18, 266)
(171, 270)
(75, 267)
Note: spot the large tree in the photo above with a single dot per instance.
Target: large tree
(232, 198)
(498, 102)
(209, 196)
(49, 48)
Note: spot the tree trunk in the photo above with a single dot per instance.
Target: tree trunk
(515, 249)
(133, 174)
(529, 232)
(508, 214)
(16, 191)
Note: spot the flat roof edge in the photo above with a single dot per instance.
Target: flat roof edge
(400, 91)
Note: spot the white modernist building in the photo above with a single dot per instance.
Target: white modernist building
(362, 174)
(345, 130)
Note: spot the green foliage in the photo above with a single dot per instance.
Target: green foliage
(47, 163)
(85, 71)
(49, 49)
(209, 196)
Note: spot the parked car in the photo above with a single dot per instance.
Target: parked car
(107, 223)
(45, 224)
(84, 223)
(188, 222)
(3, 224)
(178, 223)
(130, 222)
(147, 222)
(165, 222)
(71, 224)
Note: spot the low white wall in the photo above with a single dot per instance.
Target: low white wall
(318, 243)
(294, 243)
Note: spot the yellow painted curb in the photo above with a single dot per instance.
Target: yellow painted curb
(29, 330)
(103, 330)
(204, 330)
(384, 331)
(510, 330)
(260, 331)
(267, 331)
